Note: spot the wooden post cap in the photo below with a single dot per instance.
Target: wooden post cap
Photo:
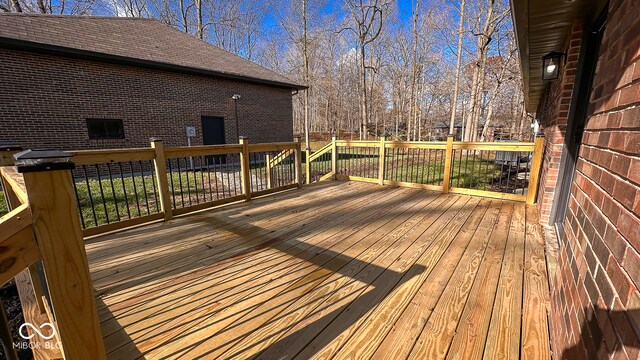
(43, 160)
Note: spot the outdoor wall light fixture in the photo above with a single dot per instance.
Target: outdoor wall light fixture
(551, 65)
(235, 97)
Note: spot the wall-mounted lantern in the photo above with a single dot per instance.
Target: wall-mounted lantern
(551, 65)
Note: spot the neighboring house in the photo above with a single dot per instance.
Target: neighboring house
(590, 182)
(76, 82)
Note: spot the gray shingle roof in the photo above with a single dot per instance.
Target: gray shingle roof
(135, 40)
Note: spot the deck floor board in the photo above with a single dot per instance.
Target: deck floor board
(335, 270)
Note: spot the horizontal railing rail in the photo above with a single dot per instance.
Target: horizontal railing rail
(19, 247)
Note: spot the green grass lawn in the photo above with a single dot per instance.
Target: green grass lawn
(478, 174)
(101, 202)
(3, 204)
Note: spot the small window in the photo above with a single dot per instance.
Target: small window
(105, 129)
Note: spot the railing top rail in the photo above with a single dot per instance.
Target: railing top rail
(14, 179)
(202, 150)
(498, 146)
(86, 157)
(416, 144)
(323, 150)
(355, 143)
(277, 146)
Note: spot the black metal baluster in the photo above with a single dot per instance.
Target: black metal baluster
(418, 165)
(459, 167)
(195, 179)
(93, 208)
(204, 191)
(427, 157)
(75, 189)
(153, 183)
(113, 191)
(144, 187)
(466, 167)
(124, 190)
(527, 172)
(135, 188)
(509, 169)
(180, 182)
(104, 201)
(173, 189)
(186, 174)
(473, 171)
(206, 162)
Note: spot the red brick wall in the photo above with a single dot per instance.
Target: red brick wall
(595, 310)
(46, 100)
(553, 116)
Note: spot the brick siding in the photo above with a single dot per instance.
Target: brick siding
(595, 298)
(46, 100)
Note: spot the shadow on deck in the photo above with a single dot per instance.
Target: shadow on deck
(336, 269)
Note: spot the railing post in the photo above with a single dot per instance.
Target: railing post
(334, 155)
(447, 164)
(536, 162)
(48, 182)
(383, 157)
(245, 168)
(298, 160)
(160, 167)
(267, 160)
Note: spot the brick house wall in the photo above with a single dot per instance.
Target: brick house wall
(46, 100)
(595, 297)
(553, 115)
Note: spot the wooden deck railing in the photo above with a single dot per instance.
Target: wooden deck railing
(505, 170)
(111, 190)
(115, 189)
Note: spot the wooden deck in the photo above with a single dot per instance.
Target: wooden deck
(337, 269)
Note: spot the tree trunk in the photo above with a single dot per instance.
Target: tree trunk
(200, 31)
(456, 84)
(305, 64)
(363, 92)
(414, 61)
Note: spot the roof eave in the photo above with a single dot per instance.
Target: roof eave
(15, 44)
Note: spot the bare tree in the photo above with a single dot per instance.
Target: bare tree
(368, 19)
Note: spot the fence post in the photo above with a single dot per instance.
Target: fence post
(334, 155)
(532, 190)
(160, 167)
(298, 160)
(48, 182)
(245, 168)
(383, 157)
(447, 164)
